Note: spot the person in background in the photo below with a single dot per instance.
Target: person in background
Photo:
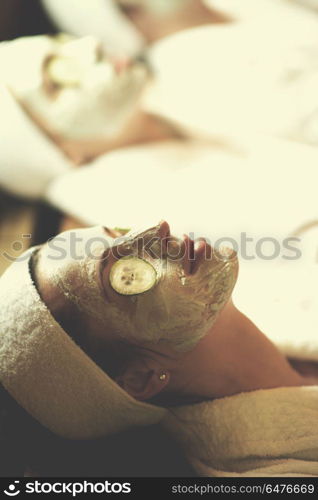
(71, 102)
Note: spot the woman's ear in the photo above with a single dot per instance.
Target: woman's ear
(144, 379)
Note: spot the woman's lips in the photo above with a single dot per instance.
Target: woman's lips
(188, 254)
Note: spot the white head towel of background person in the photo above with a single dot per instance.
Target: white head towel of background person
(29, 160)
(101, 18)
(106, 20)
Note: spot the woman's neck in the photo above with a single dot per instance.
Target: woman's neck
(142, 128)
(234, 357)
(253, 361)
(194, 13)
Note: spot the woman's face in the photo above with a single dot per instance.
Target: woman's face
(191, 286)
(75, 88)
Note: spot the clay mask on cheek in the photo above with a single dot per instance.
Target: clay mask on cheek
(79, 277)
(76, 274)
(181, 308)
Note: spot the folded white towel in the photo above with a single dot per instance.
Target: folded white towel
(262, 433)
(50, 376)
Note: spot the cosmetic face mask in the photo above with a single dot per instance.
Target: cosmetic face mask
(167, 306)
(71, 87)
(50, 376)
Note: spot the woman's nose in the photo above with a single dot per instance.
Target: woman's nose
(163, 229)
(142, 241)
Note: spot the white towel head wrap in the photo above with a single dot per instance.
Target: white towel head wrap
(102, 18)
(50, 376)
(29, 159)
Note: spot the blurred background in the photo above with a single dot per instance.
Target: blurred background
(19, 18)
(19, 217)
(263, 69)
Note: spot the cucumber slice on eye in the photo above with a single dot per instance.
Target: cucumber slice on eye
(64, 71)
(122, 230)
(132, 276)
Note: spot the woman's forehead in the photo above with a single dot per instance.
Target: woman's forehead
(98, 237)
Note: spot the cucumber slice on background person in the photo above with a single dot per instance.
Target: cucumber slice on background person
(64, 71)
(74, 59)
(132, 276)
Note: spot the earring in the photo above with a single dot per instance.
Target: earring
(163, 376)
